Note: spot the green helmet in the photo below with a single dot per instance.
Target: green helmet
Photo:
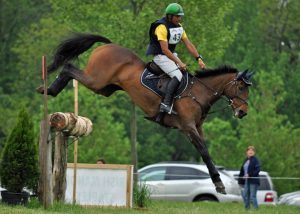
(174, 9)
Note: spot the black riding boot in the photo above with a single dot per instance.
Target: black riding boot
(167, 104)
(57, 86)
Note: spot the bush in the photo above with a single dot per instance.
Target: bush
(19, 166)
(141, 194)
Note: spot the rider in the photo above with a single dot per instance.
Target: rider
(165, 34)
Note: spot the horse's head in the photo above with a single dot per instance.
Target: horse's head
(237, 92)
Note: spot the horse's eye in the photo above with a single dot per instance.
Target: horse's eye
(241, 88)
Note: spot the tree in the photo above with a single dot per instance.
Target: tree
(274, 137)
(222, 143)
(19, 158)
(16, 16)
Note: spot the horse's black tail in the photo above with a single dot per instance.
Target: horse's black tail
(73, 47)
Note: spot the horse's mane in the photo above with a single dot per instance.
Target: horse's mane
(224, 69)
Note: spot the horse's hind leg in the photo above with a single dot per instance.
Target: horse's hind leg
(71, 72)
(57, 86)
(68, 73)
(80, 76)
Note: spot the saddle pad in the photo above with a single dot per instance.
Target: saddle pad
(150, 81)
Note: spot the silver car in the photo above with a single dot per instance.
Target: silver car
(186, 182)
(292, 198)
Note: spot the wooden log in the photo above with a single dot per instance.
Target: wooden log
(71, 124)
(60, 167)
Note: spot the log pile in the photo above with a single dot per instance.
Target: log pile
(70, 124)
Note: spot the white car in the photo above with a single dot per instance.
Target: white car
(1, 189)
(292, 198)
(26, 190)
(186, 182)
(265, 193)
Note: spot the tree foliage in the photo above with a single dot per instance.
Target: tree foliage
(19, 158)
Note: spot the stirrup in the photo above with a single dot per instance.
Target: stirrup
(167, 109)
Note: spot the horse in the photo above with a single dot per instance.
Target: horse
(111, 67)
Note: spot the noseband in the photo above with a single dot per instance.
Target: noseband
(236, 95)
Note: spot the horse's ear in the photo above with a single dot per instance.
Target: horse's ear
(241, 75)
(245, 76)
(249, 75)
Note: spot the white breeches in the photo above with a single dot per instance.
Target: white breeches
(168, 66)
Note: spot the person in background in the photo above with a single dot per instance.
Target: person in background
(249, 178)
(101, 161)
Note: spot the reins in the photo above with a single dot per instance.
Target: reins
(216, 93)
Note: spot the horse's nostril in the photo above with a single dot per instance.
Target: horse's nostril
(242, 113)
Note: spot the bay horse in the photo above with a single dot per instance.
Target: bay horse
(111, 67)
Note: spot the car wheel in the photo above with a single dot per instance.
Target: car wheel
(205, 198)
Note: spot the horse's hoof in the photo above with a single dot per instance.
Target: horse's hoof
(220, 188)
(40, 89)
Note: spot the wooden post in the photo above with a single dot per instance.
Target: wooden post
(76, 140)
(60, 167)
(133, 131)
(45, 149)
(65, 124)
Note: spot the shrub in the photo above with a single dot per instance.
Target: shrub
(19, 166)
(141, 194)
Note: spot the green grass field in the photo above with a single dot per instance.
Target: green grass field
(156, 207)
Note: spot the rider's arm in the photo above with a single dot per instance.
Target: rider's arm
(193, 51)
(168, 53)
(161, 33)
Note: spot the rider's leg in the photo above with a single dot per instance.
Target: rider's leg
(167, 103)
(170, 68)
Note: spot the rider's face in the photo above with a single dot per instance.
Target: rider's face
(176, 19)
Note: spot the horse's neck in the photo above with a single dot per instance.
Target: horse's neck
(215, 86)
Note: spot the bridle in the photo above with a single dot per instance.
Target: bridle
(236, 94)
(217, 93)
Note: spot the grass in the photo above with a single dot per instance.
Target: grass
(156, 207)
(141, 195)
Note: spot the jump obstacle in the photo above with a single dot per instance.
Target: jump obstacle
(57, 128)
(52, 182)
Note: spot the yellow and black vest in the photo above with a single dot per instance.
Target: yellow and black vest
(175, 33)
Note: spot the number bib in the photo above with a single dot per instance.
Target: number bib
(175, 35)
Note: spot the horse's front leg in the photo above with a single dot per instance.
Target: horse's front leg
(198, 142)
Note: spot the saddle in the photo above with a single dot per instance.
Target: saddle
(156, 80)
